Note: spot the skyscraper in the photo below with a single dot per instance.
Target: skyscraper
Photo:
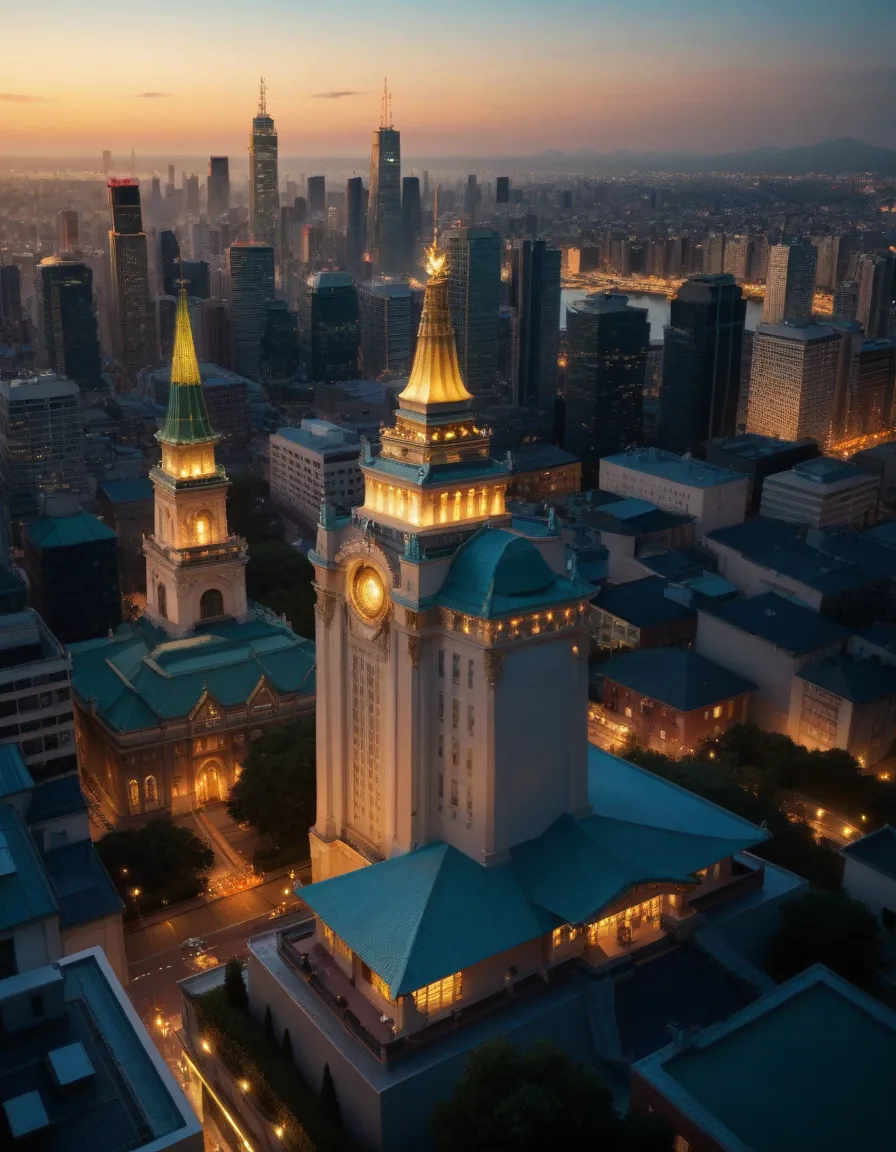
(191, 193)
(68, 322)
(793, 380)
(471, 196)
(134, 330)
(355, 225)
(10, 302)
(384, 205)
(250, 291)
(264, 197)
(330, 333)
(535, 296)
(474, 294)
(387, 329)
(107, 162)
(411, 220)
(608, 343)
(876, 289)
(701, 362)
(168, 263)
(790, 284)
(502, 190)
(67, 240)
(218, 187)
(869, 401)
(317, 195)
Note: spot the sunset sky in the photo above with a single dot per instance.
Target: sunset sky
(496, 77)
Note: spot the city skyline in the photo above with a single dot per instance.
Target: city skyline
(639, 81)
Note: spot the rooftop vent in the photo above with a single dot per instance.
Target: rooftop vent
(26, 1115)
(69, 1066)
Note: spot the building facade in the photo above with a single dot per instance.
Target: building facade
(474, 292)
(606, 360)
(535, 297)
(69, 326)
(793, 381)
(387, 333)
(823, 493)
(250, 288)
(316, 462)
(264, 194)
(702, 350)
(384, 231)
(134, 332)
(331, 328)
(201, 673)
(218, 187)
(790, 283)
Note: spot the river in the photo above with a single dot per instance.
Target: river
(658, 308)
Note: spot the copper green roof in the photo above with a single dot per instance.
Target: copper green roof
(499, 573)
(141, 677)
(420, 917)
(67, 531)
(187, 419)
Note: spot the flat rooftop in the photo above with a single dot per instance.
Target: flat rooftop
(807, 1066)
(752, 446)
(684, 470)
(85, 1072)
(877, 850)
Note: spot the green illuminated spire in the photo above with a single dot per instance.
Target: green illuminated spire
(187, 419)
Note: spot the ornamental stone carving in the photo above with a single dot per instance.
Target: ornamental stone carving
(412, 619)
(494, 665)
(414, 651)
(325, 607)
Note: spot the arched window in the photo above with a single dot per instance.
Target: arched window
(150, 791)
(211, 604)
(162, 601)
(133, 794)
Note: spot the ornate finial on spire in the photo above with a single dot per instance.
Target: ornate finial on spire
(263, 99)
(436, 257)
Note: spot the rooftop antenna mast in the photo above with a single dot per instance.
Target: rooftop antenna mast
(386, 106)
(263, 99)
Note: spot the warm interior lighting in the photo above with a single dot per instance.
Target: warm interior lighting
(205, 1046)
(200, 529)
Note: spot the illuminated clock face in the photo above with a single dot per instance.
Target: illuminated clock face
(369, 593)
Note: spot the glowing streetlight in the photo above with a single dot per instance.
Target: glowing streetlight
(205, 1046)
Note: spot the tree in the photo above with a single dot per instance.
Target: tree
(158, 855)
(276, 791)
(269, 1025)
(286, 1045)
(511, 1101)
(283, 580)
(328, 1093)
(826, 928)
(234, 984)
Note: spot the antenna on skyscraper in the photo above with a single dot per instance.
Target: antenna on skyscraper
(386, 106)
(263, 99)
(435, 217)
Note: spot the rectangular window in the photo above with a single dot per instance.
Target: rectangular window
(379, 985)
(177, 786)
(441, 786)
(455, 713)
(441, 744)
(455, 751)
(441, 661)
(454, 793)
(442, 994)
(441, 705)
(455, 669)
(628, 712)
(335, 943)
(717, 711)
(469, 763)
(662, 733)
(471, 720)
(469, 673)
(470, 803)
(706, 714)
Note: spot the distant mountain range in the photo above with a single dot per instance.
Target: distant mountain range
(829, 156)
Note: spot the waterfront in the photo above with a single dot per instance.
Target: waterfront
(658, 308)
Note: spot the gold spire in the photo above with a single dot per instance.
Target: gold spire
(184, 364)
(435, 376)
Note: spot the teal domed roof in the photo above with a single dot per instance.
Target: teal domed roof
(498, 573)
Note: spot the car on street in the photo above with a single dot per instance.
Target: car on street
(193, 943)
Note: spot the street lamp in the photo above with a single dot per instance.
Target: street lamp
(135, 892)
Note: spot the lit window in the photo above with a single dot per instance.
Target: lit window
(441, 661)
(662, 733)
(336, 944)
(717, 711)
(441, 994)
(628, 712)
(379, 985)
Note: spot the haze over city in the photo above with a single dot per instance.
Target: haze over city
(470, 79)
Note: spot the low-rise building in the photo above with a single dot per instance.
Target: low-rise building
(126, 507)
(869, 873)
(767, 639)
(313, 463)
(823, 493)
(78, 1069)
(36, 710)
(631, 530)
(845, 702)
(640, 614)
(56, 897)
(542, 472)
(805, 1066)
(758, 457)
(667, 699)
(716, 497)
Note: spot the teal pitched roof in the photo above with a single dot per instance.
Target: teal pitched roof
(66, 531)
(679, 677)
(140, 676)
(25, 893)
(14, 774)
(500, 573)
(425, 915)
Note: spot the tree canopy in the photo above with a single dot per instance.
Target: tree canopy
(826, 928)
(276, 791)
(512, 1101)
(158, 855)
